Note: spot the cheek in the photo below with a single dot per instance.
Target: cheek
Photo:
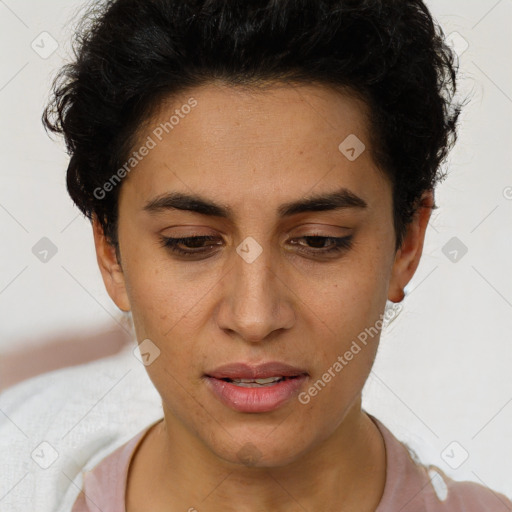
(166, 310)
(170, 308)
(163, 296)
(353, 295)
(348, 312)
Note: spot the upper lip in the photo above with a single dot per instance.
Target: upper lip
(261, 371)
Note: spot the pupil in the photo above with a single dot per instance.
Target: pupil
(319, 241)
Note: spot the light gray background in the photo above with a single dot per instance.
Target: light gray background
(443, 369)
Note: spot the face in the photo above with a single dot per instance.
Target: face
(279, 278)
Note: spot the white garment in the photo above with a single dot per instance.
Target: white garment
(81, 414)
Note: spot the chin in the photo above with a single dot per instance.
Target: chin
(260, 451)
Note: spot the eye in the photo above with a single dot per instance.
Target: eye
(195, 245)
(336, 244)
(173, 244)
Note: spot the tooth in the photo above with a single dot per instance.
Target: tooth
(257, 381)
(267, 380)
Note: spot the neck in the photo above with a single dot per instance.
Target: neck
(346, 468)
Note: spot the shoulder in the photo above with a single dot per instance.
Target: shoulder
(104, 487)
(56, 425)
(446, 494)
(412, 486)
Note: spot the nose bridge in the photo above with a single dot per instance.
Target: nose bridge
(253, 276)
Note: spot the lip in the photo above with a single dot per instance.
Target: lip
(261, 371)
(255, 399)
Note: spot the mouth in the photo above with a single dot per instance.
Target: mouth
(258, 383)
(256, 389)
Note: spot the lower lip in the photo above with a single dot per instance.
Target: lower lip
(256, 399)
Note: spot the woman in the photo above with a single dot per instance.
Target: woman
(260, 177)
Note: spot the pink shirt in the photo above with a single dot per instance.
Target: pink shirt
(409, 487)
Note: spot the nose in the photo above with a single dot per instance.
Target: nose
(256, 300)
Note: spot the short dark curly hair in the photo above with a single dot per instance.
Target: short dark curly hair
(132, 54)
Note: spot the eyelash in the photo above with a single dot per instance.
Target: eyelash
(339, 244)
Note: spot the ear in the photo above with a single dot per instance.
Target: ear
(408, 256)
(111, 270)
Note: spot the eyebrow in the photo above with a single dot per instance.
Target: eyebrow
(338, 200)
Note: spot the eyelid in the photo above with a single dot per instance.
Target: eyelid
(338, 245)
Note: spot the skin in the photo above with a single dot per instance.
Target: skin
(254, 151)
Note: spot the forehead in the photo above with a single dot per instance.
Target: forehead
(237, 143)
(240, 117)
